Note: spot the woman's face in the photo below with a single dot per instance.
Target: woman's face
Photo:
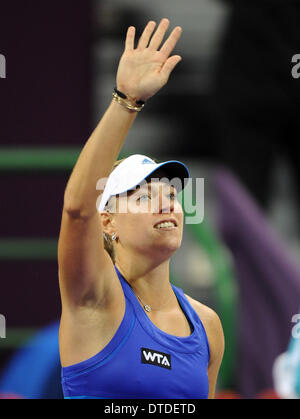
(140, 217)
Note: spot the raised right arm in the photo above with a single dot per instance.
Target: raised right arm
(85, 268)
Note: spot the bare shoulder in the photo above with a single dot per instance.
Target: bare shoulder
(207, 315)
(211, 323)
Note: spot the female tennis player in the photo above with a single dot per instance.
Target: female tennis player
(126, 331)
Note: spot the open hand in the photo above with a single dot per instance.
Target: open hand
(146, 69)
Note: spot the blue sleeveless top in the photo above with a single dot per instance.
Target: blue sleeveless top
(143, 362)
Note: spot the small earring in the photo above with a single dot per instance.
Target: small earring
(114, 236)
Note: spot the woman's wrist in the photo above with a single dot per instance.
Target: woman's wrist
(122, 109)
(124, 99)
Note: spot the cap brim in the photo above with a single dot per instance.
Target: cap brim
(175, 171)
(172, 170)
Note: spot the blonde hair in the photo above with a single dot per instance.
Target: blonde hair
(108, 242)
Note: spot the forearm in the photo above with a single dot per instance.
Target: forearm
(141, 73)
(97, 158)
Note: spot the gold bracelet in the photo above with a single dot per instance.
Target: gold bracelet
(126, 103)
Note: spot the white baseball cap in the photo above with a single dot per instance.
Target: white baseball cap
(135, 169)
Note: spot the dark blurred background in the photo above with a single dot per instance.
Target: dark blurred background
(229, 112)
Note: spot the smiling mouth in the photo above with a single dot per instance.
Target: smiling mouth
(165, 225)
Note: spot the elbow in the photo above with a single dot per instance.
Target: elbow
(76, 210)
(72, 212)
(77, 213)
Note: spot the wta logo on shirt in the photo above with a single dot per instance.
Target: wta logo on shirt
(160, 359)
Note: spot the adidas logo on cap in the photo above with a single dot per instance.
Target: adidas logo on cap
(147, 161)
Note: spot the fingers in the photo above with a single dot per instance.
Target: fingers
(159, 34)
(157, 38)
(170, 43)
(145, 37)
(169, 65)
(129, 42)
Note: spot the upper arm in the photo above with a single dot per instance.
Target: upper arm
(216, 340)
(86, 272)
(215, 336)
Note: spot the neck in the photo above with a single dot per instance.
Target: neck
(149, 281)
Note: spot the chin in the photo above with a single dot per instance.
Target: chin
(169, 246)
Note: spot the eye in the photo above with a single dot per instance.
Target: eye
(172, 195)
(143, 198)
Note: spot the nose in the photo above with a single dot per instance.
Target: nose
(166, 205)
